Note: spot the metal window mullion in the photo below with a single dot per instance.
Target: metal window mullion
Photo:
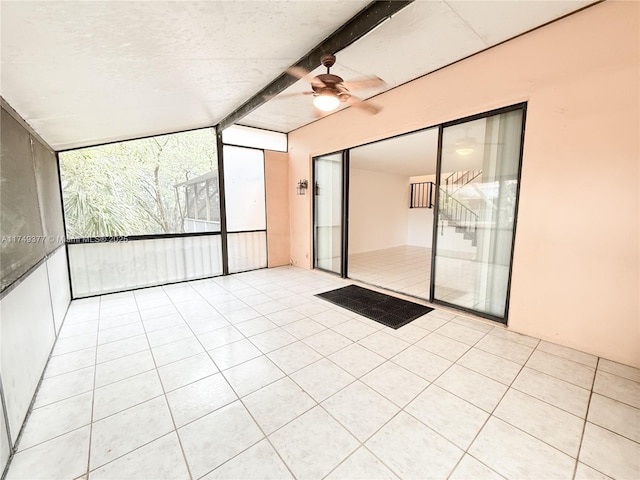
(345, 214)
(436, 214)
(223, 204)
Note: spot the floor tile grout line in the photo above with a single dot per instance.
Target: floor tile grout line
(618, 376)
(491, 414)
(327, 328)
(465, 451)
(565, 358)
(361, 444)
(129, 377)
(465, 454)
(166, 402)
(64, 373)
(93, 397)
(608, 429)
(139, 447)
(222, 346)
(400, 410)
(204, 414)
(130, 406)
(238, 399)
(60, 400)
(317, 403)
(433, 382)
(265, 436)
(125, 355)
(386, 360)
(584, 425)
(527, 394)
(75, 429)
(558, 378)
(97, 344)
(519, 390)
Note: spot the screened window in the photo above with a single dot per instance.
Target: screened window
(166, 184)
(246, 214)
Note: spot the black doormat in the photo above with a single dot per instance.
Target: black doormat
(385, 309)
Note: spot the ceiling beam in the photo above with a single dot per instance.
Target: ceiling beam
(361, 24)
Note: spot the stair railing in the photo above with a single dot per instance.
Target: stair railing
(421, 195)
(460, 179)
(459, 216)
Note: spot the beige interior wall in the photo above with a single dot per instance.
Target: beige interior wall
(575, 272)
(378, 210)
(276, 166)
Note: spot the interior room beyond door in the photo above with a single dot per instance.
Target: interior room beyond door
(391, 197)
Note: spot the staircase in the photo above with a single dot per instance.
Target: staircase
(458, 215)
(457, 180)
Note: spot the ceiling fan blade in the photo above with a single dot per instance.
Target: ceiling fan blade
(302, 74)
(287, 95)
(297, 72)
(366, 106)
(364, 83)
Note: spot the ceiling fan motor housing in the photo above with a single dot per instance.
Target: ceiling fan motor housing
(328, 60)
(328, 80)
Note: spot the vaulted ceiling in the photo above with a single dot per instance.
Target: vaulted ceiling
(84, 73)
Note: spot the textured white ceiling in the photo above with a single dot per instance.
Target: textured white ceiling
(83, 73)
(415, 154)
(407, 155)
(419, 39)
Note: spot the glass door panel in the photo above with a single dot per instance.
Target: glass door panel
(327, 214)
(477, 198)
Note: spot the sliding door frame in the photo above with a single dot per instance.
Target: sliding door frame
(344, 212)
(436, 210)
(345, 205)
(519, 106)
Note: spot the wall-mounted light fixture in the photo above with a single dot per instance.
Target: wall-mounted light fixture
(302, 187)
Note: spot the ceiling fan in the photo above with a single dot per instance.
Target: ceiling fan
(330, 90)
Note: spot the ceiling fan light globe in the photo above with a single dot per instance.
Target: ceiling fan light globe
(326, 102)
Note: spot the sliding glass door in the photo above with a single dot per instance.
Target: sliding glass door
(328, 209)
(476, 213)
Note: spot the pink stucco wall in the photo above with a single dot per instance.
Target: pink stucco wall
(576, 278)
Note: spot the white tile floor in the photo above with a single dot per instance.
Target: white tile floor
(407, 269)
(251, 376)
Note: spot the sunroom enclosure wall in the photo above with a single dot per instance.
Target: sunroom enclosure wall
(169, 229)
(142, 212)
(35, 294)
(575, 279)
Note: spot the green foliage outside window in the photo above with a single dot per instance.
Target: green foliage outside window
(133, 187)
